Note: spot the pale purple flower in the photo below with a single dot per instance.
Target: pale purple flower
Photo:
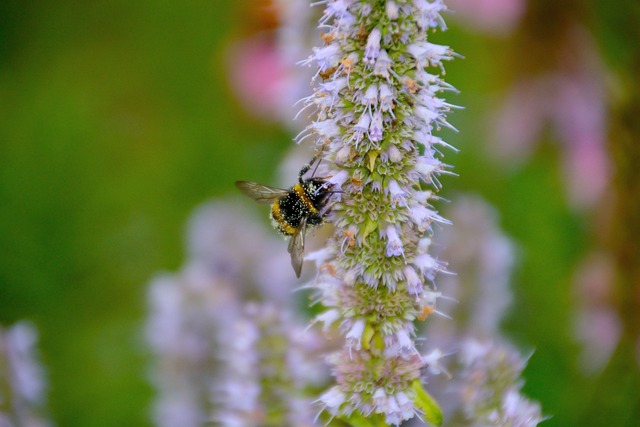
(394, 154)
(327, 128)
(376, 127)
(361, 128)
(429, 13)
(354, 334)
(325, 97)
(394, 244)
(372, 50)
(397, 193)
(325, 57)
(434, 362)
(383, 64)
(421, 216)
(400, 342)
(519, 411)
(387, 98)
(429, 54)
(342, 155)
(414, 283)
(332, 399)
(327, 318)
(22, 378)
(334, 9)
(392, 10)
(370, 96)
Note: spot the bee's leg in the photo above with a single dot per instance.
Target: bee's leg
(327, 207)
(306, 167)
(316, 157)
(325, 210)
(317, 164)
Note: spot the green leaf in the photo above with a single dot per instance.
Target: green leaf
(356, 419)
(367, 336)
(424, 401)
(372, 155)
(369, 227)
(378, 342)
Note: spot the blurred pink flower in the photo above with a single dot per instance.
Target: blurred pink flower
(597, 324)
(489, 16)
(263, 69)
(260, 77)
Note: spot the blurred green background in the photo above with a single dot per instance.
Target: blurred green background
(116, 120)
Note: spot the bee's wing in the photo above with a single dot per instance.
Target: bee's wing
(296, 246)
(261, 193)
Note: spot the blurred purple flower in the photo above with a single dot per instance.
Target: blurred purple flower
(482, 380)
(571, 100)
(22, 383)
(482, 257)
(217, 357)
(490, 386)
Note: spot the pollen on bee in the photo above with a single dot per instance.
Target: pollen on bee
(300, 191)
(278, 222)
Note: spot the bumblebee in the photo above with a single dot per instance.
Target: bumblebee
(293, 209)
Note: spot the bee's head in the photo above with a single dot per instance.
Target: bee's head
(317, 188)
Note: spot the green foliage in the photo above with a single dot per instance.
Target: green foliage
(426, 403)
(115, 122)
(356, 419)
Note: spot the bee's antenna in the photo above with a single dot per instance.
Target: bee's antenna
(317, 157)
(316, 168)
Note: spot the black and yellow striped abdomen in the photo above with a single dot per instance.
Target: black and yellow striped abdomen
(302, 201)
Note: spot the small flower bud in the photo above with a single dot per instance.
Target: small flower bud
(391, 8)
(372, 50)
